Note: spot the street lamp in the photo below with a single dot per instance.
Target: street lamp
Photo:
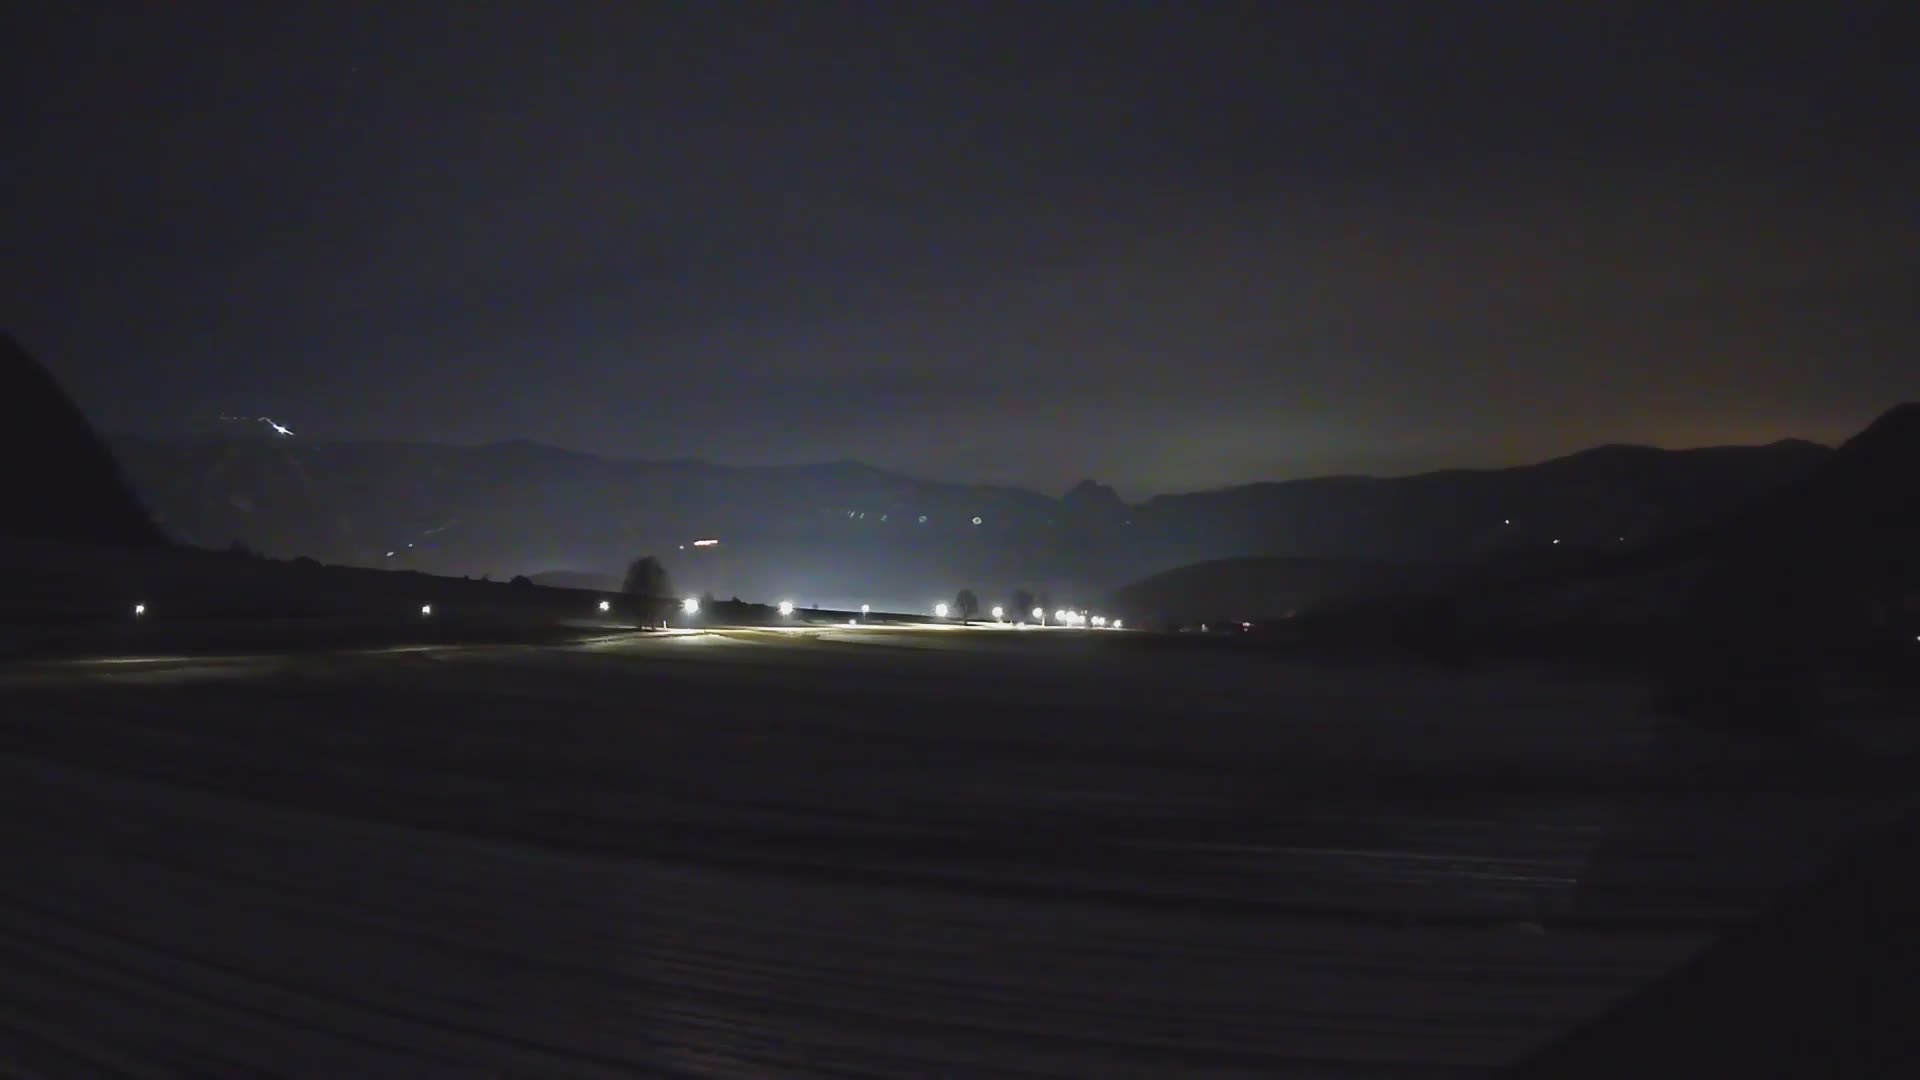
(786, 607)
(939, 611)
(998, 613)
(139, 610)
(606, 606)
(1040, 616)
(690, 606)
(426, 611)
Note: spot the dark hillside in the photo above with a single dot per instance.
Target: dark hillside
(66, 485)
(1262, 589)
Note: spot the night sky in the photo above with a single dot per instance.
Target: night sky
(1167, 246)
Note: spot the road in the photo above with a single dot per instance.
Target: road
(835, 852)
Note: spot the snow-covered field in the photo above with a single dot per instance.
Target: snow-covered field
(886, 852)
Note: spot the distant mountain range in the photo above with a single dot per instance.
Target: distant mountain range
(1826, 564)
(846, 533)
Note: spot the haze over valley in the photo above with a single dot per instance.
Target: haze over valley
(845, 533)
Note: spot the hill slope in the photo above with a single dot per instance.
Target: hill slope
(1257, 588)
(68, 486)
(1858, 514)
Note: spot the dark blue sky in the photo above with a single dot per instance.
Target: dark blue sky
(1169, 246)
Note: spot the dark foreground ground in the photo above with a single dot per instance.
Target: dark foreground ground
(873, 852)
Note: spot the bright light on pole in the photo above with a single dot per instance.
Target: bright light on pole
(606, 606)
(690, 606)
(1117, 624)
(940, 611)
(786, 607)
(426, 611)
(999, 613)
(139, 610)
(1040, 616)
